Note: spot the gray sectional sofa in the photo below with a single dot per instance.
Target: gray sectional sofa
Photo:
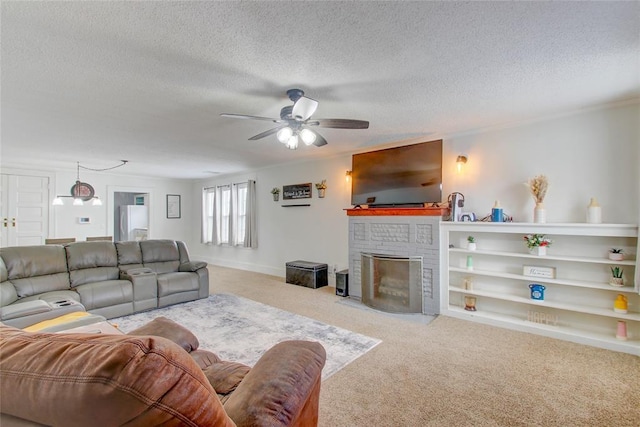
(103, 278)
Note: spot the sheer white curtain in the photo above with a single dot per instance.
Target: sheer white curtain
(209, 235)
(250, 219)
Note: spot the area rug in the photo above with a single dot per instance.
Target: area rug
(241, 330)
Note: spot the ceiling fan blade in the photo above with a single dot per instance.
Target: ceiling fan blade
(266, 133)
(244, 116)
(304, 108)
(320, 141)
(340, 123)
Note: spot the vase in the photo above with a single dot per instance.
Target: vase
(616, 281)
(616, 256)
(539, 214)
(321, 192)
(538, 250)
(471, 246)
(276, 197)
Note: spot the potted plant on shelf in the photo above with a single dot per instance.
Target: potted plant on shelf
(276, 193)
(321, 186)
(616, 277)
(616, 254)
(537, 243)
(471, 243)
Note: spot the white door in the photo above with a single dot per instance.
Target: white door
(24, 210)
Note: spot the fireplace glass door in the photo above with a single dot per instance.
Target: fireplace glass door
(392, 283)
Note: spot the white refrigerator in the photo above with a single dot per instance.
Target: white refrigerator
(134, 222)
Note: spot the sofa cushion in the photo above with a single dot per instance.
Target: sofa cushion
(173, 283)
(36, 269)
(8, 294)
(167, 328)
(162, 256)
(103, 380)
(225, 376)
(92, 262)
(105, 294)
(129, 253)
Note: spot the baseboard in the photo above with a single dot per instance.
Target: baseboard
(272, 271)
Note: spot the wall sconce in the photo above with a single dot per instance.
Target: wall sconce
(461, 160)
(347, 176)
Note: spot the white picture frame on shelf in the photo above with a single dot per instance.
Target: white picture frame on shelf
(537, 271)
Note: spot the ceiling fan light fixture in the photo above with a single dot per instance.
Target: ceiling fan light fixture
(292, 144)
(284, 134)
(307, 136)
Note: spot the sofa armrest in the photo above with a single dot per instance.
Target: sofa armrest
(145, 287)
(23, 314)
(282, 389)
(192, 266)
(22, 309)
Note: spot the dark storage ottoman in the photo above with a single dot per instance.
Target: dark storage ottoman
(308, 274)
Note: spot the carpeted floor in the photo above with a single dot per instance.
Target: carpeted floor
(241, 330)
(452, 372)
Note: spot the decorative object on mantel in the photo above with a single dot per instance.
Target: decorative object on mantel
(616, 277)
(83, 192)
(594, 212)
(615, 254)
(538, 186)
(537, 291)
(496, 212)
(620, 305)
(537, 244)
(322, 187)
(276, 193)
(471, 243)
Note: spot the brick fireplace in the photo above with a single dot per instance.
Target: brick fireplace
(397, 232)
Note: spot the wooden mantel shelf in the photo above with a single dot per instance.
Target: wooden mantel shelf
(398, 212)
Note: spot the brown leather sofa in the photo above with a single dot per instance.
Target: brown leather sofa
(70, 380)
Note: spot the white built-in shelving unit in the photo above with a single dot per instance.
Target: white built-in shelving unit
(578, 300)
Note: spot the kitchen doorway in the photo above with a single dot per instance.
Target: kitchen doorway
(130, 211)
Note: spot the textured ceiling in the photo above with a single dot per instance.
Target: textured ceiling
(146, 81)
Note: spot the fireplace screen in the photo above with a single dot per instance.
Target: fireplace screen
(392, 283)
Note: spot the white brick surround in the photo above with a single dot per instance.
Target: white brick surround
(400, 236)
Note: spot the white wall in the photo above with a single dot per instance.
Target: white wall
(587, 154)
(316, 233)
(65, 218)
(591, 154)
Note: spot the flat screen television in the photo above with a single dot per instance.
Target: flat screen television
(407, 175)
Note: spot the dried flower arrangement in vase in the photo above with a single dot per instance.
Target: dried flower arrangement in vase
(538, 186)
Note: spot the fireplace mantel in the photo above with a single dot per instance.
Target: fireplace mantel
(415, 211)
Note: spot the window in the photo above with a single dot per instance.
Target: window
(225, 211)
(208, 209)
(240, 213)
(224, 214)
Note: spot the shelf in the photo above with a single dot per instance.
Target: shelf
(610, 342)
(635, 317)
(564, 282)
(557, 229)
(591, 260)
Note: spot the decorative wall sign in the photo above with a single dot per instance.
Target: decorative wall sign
(173, 206)
(296, 191)
(544, 318)
(535, 271)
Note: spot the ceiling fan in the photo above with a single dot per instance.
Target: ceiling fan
(295, 120)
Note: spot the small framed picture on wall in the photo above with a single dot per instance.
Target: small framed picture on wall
(173, 206)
